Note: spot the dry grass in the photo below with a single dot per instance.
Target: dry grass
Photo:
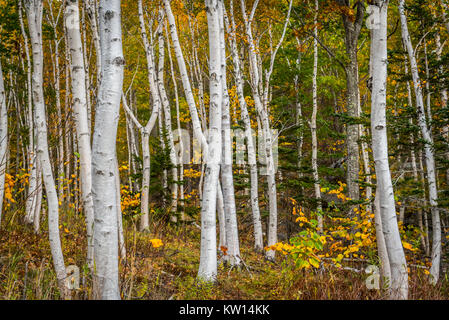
(169, 272)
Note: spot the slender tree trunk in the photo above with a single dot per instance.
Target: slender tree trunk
(167, 124)
(227, 177)
(34, 14)
(81, 119)
(56, 79)
(385, 269)
(221, 218)
(92, 12)
(254, 194)
(443, 94)
(178, 124)
(104, 152)
(352, 25)
(208, 256)
(121, 237)
(184, 77)
(428, 151)
(3, 140)
(396, 257)
(146, 131)
(316, 177)
(32, 192)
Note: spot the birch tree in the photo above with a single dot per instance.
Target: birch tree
(396, 257)
(81, 117)
(104, 152)
(227, 177)
(167, 118)
(312, 123)
(260, 87)
(208, 255)
(34, 190)
(185, 77)
(33, 10)
(3, 139)
(258, 237)
(428, 151)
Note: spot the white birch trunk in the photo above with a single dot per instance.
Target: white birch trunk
(167, 123)
(398, 264)
(258, 237)
(316, 177)
(32, 192)
(178, 124)
(56, 80)
(208, 256)
(385, 269)
(184, 77)
(428, 151)
(34, 14)
(227, 177)
(104, 152)
(3, 140)
(92, 12)
(146, 131)
(121, 237)
(81, 118)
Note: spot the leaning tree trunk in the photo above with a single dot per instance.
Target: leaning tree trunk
(34, 14)
(396, 256)
(428, 150)
(254, 195)
(104, 152)
(3, 140)
(81, 118)
(184, 77)
(208, 256)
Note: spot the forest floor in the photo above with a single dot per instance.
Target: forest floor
(169, 271)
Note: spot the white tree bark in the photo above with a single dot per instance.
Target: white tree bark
(208, 258)
(398, 264)
(227, 177)
(385, 269)
(3, 140)
(33, 191)
(313, 128)
(92, 12)
(221, 218)
(428, 151)
(81, 118)
(104, 152)
(258, 237)
(260, 89)
(178, 124)
(121, 237)
(146, 131)
(34, 14)
(167, 122)
(53, 21)
(184, 77)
